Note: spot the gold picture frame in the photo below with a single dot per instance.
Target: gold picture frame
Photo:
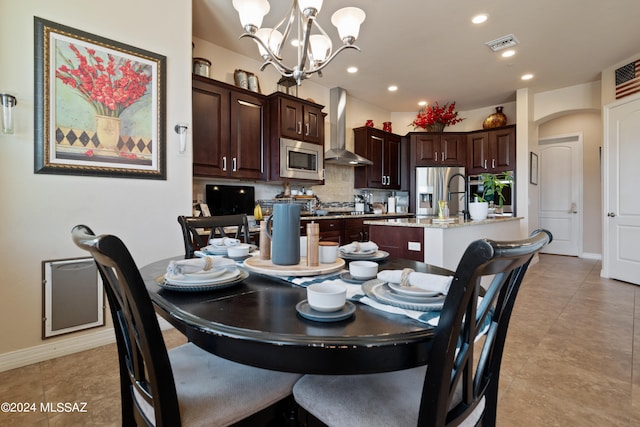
(86, 124)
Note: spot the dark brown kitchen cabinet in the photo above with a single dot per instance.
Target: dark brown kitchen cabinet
(438, 149)
(384, 150)
(395, 240)
(491, 151)
(228, 126)
(355, 230)
(298, 119)
(330, 229)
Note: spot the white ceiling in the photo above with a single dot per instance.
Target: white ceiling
(432, 51)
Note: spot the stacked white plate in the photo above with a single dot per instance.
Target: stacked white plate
(204, 280)
(409, 297)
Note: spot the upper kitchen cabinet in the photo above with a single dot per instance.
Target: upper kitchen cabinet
(491, 151)
(438, 149)
(384, 150)
(296, 139)
(298, 119)
(228, 125)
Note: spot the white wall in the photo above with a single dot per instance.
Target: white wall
(38, 211)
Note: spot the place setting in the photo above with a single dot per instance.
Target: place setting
(362, 251)
(201, 274)
(408, 289)
(227, 247)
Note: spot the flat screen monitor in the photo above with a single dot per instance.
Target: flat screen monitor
(230, 199)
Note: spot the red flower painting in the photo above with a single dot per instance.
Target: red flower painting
(110, 85)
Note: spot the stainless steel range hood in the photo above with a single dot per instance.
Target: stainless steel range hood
(338, 154)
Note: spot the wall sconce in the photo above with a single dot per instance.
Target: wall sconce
(8, 102)
(181, 130)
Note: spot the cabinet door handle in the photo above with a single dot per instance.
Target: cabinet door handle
(436, 155)
(485, 164)
(234, 164)
(493, 163)
(224, 163)
(299, 128)
(443, 157)
(307, 129)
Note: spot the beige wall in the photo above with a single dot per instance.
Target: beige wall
(589, 124)
(38, 211)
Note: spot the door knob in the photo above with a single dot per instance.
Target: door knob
(611, 214)
(574, 208)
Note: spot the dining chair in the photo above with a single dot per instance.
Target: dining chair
(185, 385)
(458, 387)
(193, 241)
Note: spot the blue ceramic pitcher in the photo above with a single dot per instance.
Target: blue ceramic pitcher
(283, 227)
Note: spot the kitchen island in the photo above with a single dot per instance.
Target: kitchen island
(438, 243)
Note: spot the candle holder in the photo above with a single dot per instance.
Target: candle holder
(8, 102)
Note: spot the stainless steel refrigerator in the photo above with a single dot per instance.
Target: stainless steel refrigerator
(439, 183)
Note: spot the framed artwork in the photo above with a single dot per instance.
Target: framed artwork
(100, 105)
(533, 168)
(247, 80)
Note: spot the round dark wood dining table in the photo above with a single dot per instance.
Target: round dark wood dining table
(256, 323)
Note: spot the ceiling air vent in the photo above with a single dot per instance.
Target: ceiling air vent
(502, 43)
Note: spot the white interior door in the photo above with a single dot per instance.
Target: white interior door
(621, 200)
(560, 167)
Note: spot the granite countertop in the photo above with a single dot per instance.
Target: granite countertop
(433, 223)
(347, 214)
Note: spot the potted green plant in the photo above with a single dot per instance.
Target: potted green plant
(492, 186)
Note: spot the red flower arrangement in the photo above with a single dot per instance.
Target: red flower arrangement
(431, 115)
(110, 88)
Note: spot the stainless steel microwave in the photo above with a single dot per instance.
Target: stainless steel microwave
(301, 160)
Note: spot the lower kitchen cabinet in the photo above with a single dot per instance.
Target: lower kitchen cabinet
(400, 242)
(355, 231)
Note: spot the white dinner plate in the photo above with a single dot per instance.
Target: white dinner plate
(411, 290)
(195, 287)
(382, 293)
(194, 279)
(373, 256)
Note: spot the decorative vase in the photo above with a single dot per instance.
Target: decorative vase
(495, 120)
(386, 126)
(108, 131)
(478, 210)
(436, 127)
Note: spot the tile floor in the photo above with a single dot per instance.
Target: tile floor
(569, 359)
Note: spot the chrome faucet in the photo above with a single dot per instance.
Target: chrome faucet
(465, 212)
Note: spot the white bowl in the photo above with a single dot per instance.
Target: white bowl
(326, 296)
(295, 192)
(238, 251)
(363, 270)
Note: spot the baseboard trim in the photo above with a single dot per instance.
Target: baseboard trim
(589, 255)
(61, 347)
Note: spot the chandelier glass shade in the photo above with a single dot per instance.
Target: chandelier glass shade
(315, 51)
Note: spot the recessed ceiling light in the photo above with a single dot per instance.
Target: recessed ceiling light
(393, 88)
(352, 70)
(508, 53)
(527, 77)
(479, 19)
(422, 103)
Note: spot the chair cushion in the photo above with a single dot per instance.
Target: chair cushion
(387, 399)
(215, 391)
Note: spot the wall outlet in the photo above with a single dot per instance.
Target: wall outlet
(414, 246)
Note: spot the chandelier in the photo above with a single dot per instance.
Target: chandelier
(315, 51)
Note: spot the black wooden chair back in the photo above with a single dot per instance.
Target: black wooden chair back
(455, 385)
(146, 377)
(193, 241)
